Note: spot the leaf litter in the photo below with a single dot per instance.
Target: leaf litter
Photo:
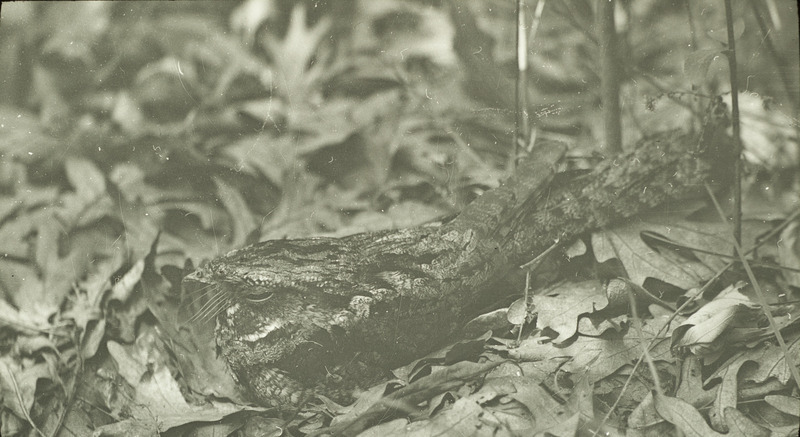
(105, 201)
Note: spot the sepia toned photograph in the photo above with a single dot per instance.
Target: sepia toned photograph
(499, 218)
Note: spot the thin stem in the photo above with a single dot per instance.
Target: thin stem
(694, 46)
(609, 75)
(737, 139)
(521, 130)
(692, 27)
(535, 22)
(537, 19)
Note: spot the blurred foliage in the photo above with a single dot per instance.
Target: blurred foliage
(208, 125)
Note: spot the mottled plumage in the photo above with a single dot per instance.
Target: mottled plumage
(325, 315)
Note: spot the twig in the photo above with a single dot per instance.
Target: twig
(525, 296)
(695, 249)
(535, 262)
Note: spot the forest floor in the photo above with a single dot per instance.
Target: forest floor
(140, 140)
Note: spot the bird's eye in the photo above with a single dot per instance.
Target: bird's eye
(259, 297)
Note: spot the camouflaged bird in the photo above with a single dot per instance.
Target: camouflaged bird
(328, 315)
